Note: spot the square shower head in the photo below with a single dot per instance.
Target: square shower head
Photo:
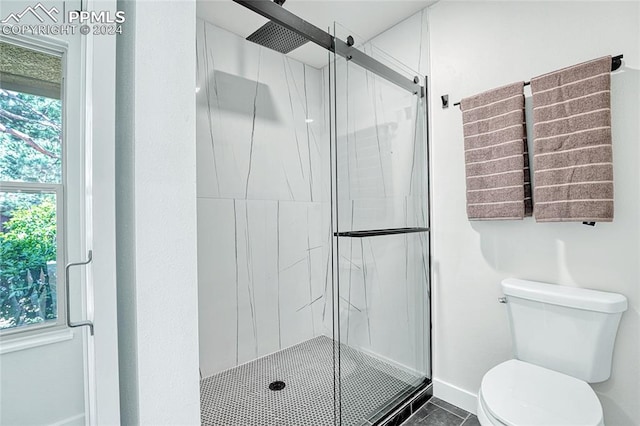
(277, 37)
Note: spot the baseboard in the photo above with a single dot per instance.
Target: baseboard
(76, 420)
(455, 395)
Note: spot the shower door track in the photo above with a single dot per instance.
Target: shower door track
(281, 16)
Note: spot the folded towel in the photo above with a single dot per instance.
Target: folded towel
(495, 151)
(573, 165)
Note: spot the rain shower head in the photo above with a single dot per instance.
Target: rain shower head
(277, 37)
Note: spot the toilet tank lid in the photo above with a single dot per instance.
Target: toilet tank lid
(579, 298)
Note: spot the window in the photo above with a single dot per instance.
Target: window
(31, 189)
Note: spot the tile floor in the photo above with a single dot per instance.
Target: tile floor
(437, 412)
(241, 395)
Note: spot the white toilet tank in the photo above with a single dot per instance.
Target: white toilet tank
(566, 329)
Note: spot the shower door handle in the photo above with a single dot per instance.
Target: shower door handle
(68, 296)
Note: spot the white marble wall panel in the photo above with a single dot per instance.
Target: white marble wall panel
(263, 187)
(303, 271)
(255, 106)
(263, 274)
(257, 276)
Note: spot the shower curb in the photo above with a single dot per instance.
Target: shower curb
(411, 403)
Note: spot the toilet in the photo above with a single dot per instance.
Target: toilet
(563, 339)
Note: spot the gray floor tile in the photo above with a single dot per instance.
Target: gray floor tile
(412, 421)
(424, 411)
(440, 417)
(472, 420)
(449, 407)
(440, 413)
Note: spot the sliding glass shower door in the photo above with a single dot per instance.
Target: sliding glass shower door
(380, 237)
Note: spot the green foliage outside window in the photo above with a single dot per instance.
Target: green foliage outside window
(27, 243)
(30, 138)
(30, 151)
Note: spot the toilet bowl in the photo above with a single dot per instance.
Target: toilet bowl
(563, 340)
(516, 393)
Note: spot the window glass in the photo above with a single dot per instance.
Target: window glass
(30, 115)
(28, 259)
(31, 177)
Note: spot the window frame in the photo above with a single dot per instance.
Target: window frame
(58, 48)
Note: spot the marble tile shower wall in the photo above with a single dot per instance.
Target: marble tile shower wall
(264, 185)
(263, 201)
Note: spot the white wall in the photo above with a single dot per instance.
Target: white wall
(263, 187)
(476, 46)
(156, 212)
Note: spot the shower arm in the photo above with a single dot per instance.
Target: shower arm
(281, 16)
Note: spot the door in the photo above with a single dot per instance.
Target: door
(381, 235)
(57, 206)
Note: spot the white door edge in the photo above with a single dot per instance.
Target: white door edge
(102, 397)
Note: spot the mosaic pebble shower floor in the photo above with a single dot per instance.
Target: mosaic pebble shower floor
(241, 395)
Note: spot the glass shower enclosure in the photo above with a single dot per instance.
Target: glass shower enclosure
(313, 228)
(380, 233)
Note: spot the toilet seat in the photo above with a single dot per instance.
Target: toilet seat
(516, 393)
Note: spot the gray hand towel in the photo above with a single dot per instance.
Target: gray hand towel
(572, 144)
(496, 158)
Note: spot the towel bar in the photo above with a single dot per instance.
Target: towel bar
(616, 62)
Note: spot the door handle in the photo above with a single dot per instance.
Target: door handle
(66, 274)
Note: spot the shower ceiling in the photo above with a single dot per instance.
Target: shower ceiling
(366, 18)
